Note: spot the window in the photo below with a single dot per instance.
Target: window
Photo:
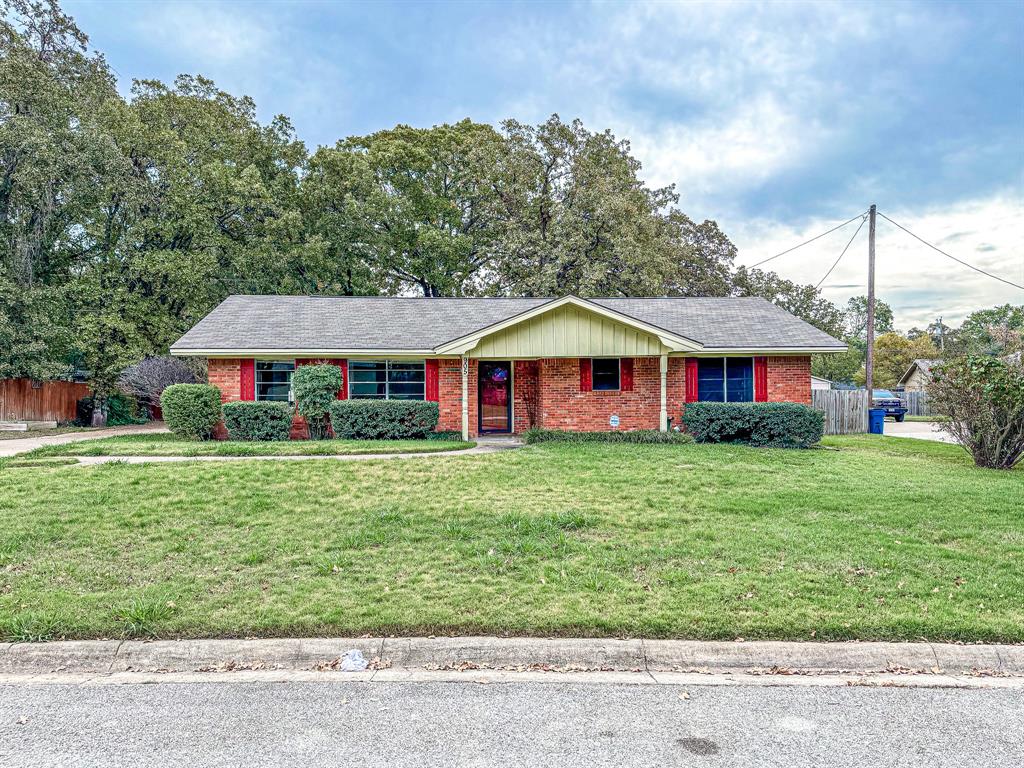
(386, 380)
(605, 372)
(725, 379)
(274, 380)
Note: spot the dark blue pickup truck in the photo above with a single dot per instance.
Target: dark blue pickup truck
(893, 406)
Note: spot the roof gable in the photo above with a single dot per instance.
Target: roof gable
(568, 327)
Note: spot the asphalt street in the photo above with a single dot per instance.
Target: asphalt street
(508, 724)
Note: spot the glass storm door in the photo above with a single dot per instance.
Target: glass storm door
(495, 390)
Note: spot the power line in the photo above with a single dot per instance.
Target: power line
(836, 262)
(817, 237)
(949, 256)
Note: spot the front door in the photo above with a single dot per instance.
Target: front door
(495, 393)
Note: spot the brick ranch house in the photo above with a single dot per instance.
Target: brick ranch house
(502, 365)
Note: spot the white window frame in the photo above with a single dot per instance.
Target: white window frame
(387, 379)
(256, 382)
(595, 389)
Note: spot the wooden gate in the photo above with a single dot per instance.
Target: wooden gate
(846, 411)
(28, 400)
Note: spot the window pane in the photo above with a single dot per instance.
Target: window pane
(272, 391)
(369, 389)
(274, 379)
(605, 372)
(368, 374)
(739, 374)
(406, 390)
(394, 375)
(710, 379)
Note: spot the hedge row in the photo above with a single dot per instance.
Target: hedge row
(383, 419)
(258, 421)
(194, 410)
(774, 425)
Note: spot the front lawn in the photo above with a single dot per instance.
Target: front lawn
(166, 444)
(870, 537)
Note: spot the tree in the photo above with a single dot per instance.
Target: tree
(412, 207)
(983, 399)
(804, 301)
(995, 331)
(147, 379)
(857, 318)
(894, 354)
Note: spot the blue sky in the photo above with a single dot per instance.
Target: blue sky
(777, 120)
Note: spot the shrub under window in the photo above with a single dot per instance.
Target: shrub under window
(257, 421)
(775, 425)
(191, 410)
(383, 419)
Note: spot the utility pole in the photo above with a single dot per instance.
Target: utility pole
(869, 365)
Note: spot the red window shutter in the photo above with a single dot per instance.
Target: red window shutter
(760, 379)
(342, 364)
(247, 383)
(586, 375)
(691, 379)
(433, 388)
(626, 374)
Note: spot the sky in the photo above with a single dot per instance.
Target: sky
(776, 120)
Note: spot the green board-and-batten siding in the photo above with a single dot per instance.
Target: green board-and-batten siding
(569, 332)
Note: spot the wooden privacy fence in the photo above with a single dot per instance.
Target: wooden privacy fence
(916, 403)
(27, 400)
(846, 411)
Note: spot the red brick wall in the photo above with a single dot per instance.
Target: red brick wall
(564, 406)
(789, 379)
(526, 395)
(225, 374)
(449, 385)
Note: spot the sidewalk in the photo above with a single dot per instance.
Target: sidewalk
(920, 430)
(20, 445)
(493, 659)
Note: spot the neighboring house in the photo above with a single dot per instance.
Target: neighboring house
(819, 383)
(917, 376)
(500, 365)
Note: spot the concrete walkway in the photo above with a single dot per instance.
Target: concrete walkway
(920, 430)
(647, 662)
(20, 445)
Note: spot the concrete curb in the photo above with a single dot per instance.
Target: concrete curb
(655, 658)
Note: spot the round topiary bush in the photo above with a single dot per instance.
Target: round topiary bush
(316, 387)
(191, 411)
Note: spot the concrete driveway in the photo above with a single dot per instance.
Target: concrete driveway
(28, 443)
(921, 430)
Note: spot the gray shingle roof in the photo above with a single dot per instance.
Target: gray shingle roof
(383, 323)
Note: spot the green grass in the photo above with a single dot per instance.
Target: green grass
(166, 444)
(936, 419)
(869, 537)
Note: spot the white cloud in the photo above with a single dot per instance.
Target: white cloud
(209, 33)
(917, 282)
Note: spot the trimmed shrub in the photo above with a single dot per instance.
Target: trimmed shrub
(315, 388)
(257, 421)
(191, 411)
(383, 419)
(770, 425)
(637, 436)
(984, 399)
